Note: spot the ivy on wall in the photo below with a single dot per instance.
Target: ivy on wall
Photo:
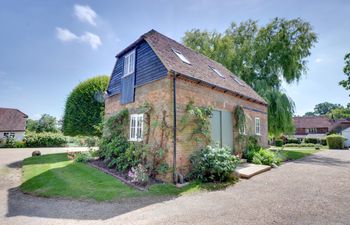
(200, 118)
(240, 118)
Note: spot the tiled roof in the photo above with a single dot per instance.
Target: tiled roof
(199, 69)
(12, 120)
(312, 122)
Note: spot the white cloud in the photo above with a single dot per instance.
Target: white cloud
(319, 60)
(66, 35)
(85, 14)
(92, 39)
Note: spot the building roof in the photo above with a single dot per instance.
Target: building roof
(12, 120)
(200, 67)
(312, 122)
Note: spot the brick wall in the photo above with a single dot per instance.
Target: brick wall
(159, 94)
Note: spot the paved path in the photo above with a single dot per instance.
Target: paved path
(314, 190)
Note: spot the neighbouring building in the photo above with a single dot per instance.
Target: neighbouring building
(162, 72)
(12, 123)
(320, 126)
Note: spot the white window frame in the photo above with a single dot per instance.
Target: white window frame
(181, 56)
(217, 72)
(257, 126)
(129, 66)
(136, 127)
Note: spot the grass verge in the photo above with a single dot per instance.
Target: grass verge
(54, 175)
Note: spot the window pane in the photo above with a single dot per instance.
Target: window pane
(126, 63)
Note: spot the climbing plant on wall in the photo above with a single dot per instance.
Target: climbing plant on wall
(240, 118)
(199, 117)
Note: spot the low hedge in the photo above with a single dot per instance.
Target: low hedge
(312, 140)
(45, 140)
(279, 142)
(335, 141)
(299, 145)
(293, 141)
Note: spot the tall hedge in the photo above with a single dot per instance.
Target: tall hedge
(85, 107)
(335, 141)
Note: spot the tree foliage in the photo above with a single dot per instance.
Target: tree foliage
(309, 114)
(339, 113)
(261, 56)
(85, 107)
(46, 123)
(325, 108)
(346, 83)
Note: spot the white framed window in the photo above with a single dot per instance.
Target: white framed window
(9, 135)
(181, 56)
(129, 63)
(217, 72)
(257, 126)
(136, 127)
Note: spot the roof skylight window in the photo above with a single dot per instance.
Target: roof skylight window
(181, 56)
(238, 81)
(217, 72)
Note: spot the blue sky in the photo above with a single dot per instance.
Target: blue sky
(48, 47)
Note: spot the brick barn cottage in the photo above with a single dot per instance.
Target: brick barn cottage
(168, 76)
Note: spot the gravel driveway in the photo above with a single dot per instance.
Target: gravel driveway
(313, 190)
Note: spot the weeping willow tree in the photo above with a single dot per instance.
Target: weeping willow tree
(263, 56)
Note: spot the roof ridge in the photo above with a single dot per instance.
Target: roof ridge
(195, 51)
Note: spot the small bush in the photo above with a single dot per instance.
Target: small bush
(92, 141)
(266, 157)
(212, 164)
(139, 175)
(311, 140)
(293, 141)
(323, 142)
(82, 157)
(279, 142)
(10, 142)
(317, 146)
(20, 144)
(252, 147)
(45, 140)
(335, 141)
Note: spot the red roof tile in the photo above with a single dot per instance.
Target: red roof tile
(12, 120)
(199, 69)
(312, 122)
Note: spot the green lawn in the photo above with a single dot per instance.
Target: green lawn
(55, 175)
(295, 153)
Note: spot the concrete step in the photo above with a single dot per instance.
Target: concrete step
(247, 170)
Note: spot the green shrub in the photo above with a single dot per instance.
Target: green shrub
(92, 141)
(335, 141)
(212, 164)
(10, 142)
(20, 144)
(323, 142)
(293, 141)
(311, 140)
(265, 157)
(82, 157)
(252, 147)
(279, 142)
(45, 140)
